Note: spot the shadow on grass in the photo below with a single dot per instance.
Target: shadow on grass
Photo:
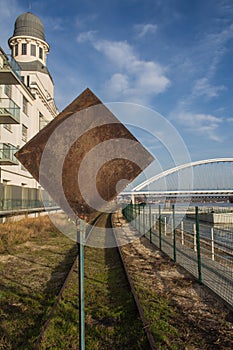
(23, 310)
(116, 323)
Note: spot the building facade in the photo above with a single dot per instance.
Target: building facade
(26, 106)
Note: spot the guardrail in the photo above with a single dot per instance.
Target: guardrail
(202, 249)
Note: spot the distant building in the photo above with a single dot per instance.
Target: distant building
(26, 106)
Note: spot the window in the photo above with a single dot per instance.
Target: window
(6, 149)
(33, 50)
(24, 133)
(8, 90)
(24, 49)
(40, 53)
(25, 105)
(16, 50)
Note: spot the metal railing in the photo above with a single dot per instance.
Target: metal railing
(7, 106)
(204, 250)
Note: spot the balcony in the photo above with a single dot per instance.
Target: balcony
(9, 112)
(7, 154)
(10, 73)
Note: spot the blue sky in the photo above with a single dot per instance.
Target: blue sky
(174, 56)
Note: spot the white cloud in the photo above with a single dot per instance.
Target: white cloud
(203, 88)
(201, 124)
(83, 21)
(118, 83)
(86, 36)
(144, 29)
(134, 79)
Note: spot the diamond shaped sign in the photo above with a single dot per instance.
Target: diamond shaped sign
(84, 157)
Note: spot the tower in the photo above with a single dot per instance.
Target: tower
(28, 41)
(29, 49)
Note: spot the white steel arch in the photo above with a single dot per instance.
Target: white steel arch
(177, 168)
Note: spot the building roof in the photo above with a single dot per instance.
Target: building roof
(36, 66)
(30, 25)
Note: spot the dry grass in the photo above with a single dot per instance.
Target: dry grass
(34, 260)
(13, 233)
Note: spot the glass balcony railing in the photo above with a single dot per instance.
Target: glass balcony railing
(14, 204)
(15, 67)
(7, 154)
(9, 111)
(10, 72)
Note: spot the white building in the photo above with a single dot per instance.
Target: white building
(26, 105)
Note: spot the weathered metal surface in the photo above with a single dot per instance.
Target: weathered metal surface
(83, 148)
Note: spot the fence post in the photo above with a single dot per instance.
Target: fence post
(174, 233)
(81, 237)
(139, 219)
(198, 247)
(150, 223)
(194, 238)
(165, 226)
(182, 232)
(160, 229)
(154, 221)
(212, 243)
(143, 221)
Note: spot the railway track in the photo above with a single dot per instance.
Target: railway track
(110, 262)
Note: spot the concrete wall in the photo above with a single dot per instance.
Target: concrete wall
(214, 218)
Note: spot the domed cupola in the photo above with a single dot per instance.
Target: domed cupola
(28, 41)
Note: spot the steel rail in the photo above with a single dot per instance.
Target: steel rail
(136, 299)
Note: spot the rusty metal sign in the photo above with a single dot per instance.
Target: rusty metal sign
(84, 157)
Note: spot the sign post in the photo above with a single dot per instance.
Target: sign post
(81, 241)
(84, 142)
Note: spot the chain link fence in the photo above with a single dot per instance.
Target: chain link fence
(202, 248)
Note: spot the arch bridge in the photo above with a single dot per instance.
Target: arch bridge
(179, 168)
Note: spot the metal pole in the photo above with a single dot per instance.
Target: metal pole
(182, 232)
(174, 233)
(198, 247)
(160, 229)
(194, 238)
(150, 223)
(144, 224)
(212, 243)
(81, 237)
(165, 225)
(139, 223)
